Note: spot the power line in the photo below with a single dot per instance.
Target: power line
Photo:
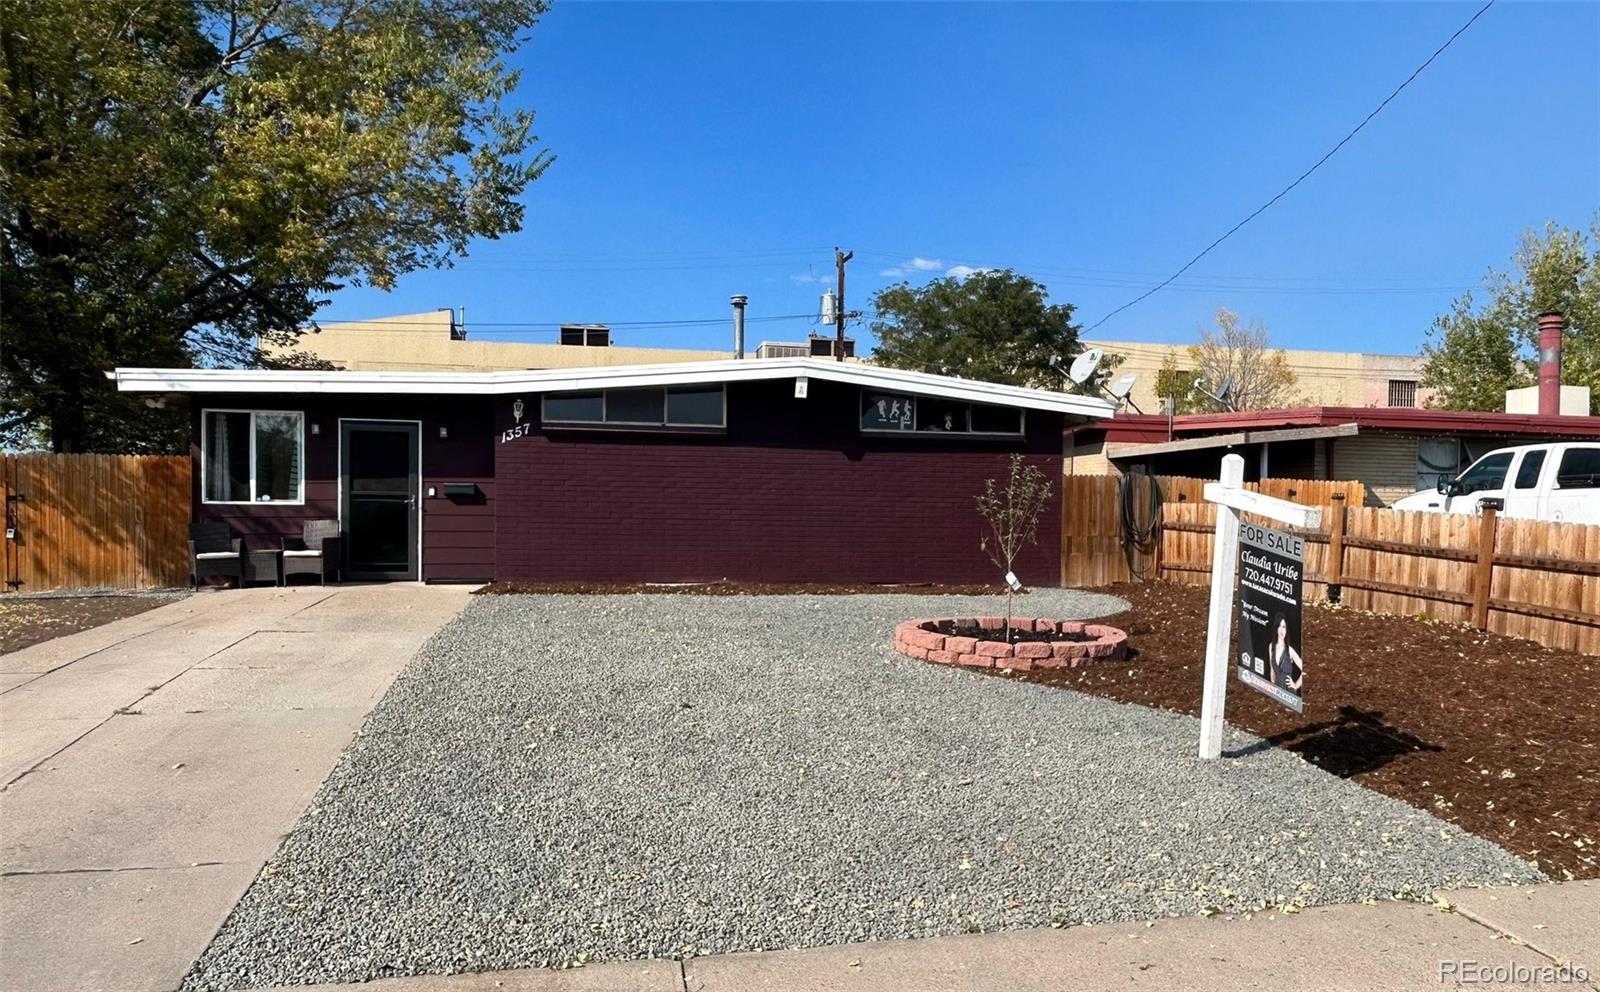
(1304, 175)
(1058, 276)
(689, 255)
(1136, 277)
(534, 325)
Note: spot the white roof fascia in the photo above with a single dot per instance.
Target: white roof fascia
(137, 380)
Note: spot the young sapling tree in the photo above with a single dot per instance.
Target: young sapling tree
(1011, 519)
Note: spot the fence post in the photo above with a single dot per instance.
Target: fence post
(1483, 575)
(1336, 549)
(9, 522)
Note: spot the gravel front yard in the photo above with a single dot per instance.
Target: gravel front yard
(564, 778)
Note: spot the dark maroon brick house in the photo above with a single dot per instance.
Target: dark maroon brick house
(781, 470)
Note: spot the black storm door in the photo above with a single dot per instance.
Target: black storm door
(378, 505)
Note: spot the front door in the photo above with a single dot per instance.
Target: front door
(378, 506)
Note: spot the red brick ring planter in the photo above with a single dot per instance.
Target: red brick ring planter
(921, 639)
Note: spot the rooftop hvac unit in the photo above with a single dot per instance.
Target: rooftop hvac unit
(586, 335)
(822, 347)
(782, 349)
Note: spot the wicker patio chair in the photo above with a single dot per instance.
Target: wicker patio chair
(213, 553)
(317, 552)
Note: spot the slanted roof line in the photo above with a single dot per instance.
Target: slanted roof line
(1154, 428)
(138, 380)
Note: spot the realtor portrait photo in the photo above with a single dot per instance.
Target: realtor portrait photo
(1287, 669)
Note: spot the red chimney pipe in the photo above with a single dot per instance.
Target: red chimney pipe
(1551, 324)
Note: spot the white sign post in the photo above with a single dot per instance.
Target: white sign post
(1231, 499)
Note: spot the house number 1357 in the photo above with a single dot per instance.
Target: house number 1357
(516, 432)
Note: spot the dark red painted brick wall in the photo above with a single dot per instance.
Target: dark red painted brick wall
(793, 492)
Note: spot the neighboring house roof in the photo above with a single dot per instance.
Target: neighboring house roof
(1127, 449)
(1214, 429)
(133, 380)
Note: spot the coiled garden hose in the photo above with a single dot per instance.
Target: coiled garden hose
(1139, 536)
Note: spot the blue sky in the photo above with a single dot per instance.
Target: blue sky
(710, 149)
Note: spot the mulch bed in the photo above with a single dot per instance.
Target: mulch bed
(730, 589)
(29, 621)
(1498, 735)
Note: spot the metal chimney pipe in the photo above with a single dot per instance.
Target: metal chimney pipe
(1551, 324)
(738, 324)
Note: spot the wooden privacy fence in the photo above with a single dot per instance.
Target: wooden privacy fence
(1524, 578)
(1093, 546)
(79, 521)
(1311, 492)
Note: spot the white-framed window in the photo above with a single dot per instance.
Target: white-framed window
(252, 456)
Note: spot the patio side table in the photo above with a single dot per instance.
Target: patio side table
(264, 566)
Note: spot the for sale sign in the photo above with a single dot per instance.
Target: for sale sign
(1271, 568)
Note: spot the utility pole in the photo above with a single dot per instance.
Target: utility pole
(839, 258)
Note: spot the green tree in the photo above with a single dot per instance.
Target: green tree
(184, 182)
(1239, 354)
(1176, 385)
(995, 325)
(1475, 353)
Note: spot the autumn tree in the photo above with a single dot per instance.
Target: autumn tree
(995, 325)
(1475, 353)
(1239, 354)
(183, 182)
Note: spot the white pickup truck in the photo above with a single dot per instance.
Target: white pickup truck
(1559, 482)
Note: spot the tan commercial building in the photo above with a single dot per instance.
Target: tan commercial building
(434, 341)
(1322, 378)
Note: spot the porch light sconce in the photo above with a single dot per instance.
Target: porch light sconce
(316, 430)
(444, 431)
(801, 385)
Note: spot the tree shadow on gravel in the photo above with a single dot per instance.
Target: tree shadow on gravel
(1355, 742)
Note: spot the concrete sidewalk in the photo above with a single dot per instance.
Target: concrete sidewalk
(1391, 946)
(149, 767)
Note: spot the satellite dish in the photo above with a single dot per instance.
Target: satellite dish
(1084, 365)
(1223, 396)
(1124, 385)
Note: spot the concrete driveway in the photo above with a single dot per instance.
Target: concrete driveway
(148, 768)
